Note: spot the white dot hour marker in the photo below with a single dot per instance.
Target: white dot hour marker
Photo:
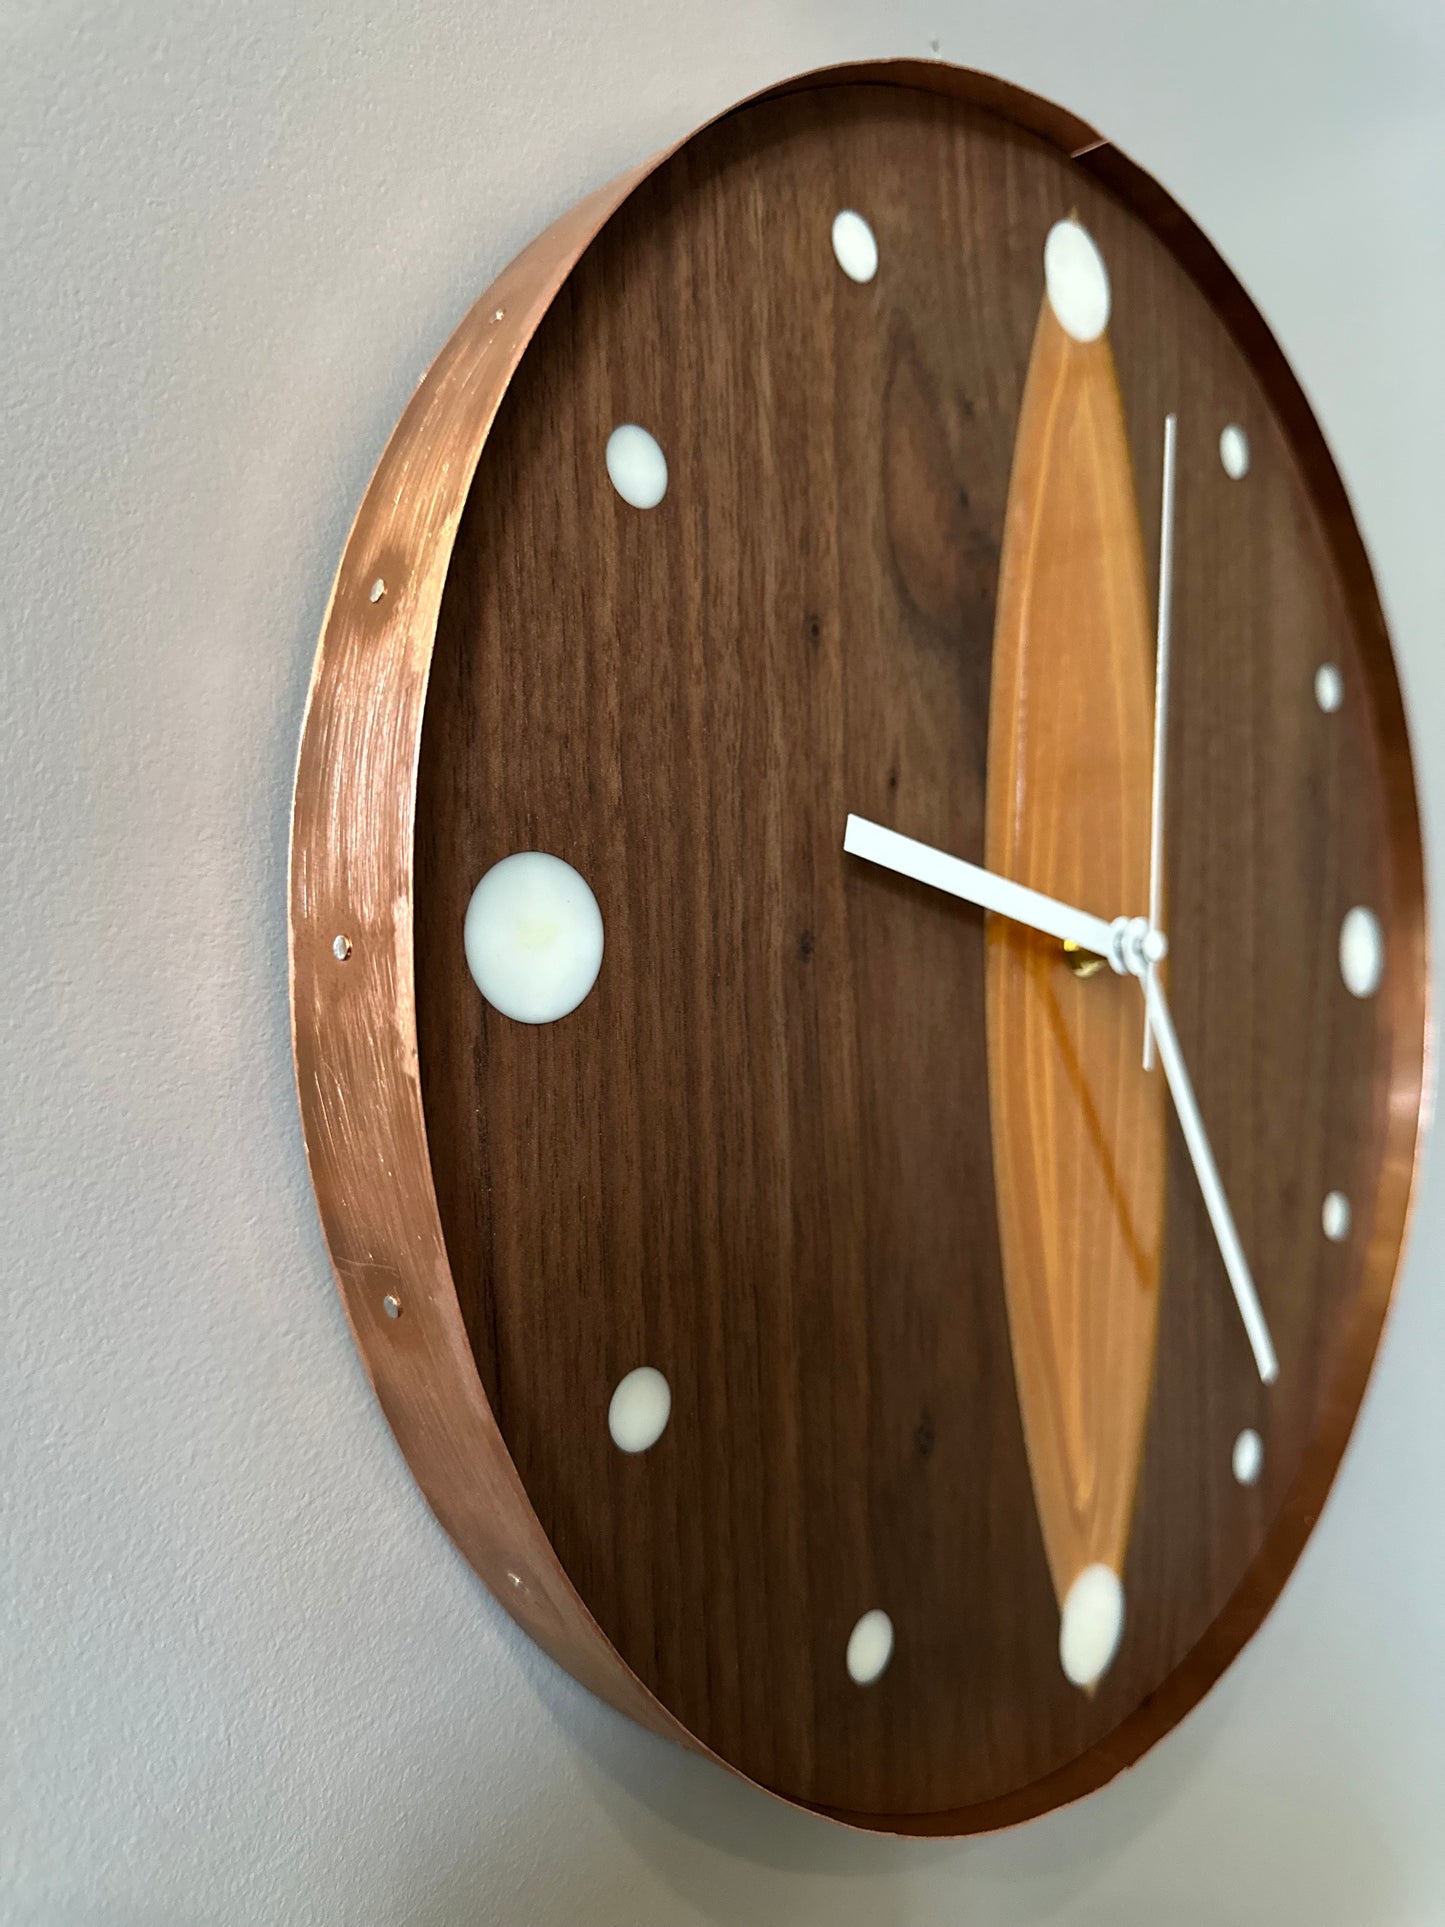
(1076, 281)
(1091, 1626)
(1234, 452)
(1329, 688)
(870, 1647)
(1248, 1457)
(640, 1408)
(1335, 1217)
(533, 937)
(636, 466)
(1362, 952)
(854, 246)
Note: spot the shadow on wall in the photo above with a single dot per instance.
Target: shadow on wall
(728, 1853)
(1302, 1844)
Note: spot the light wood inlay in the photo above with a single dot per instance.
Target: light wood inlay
(1078, 1126)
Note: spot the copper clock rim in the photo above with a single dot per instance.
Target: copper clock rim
(351, 878)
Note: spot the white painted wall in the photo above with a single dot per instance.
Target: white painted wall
(245, 1679)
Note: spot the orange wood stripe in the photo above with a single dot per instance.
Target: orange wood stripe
(1078, 1127)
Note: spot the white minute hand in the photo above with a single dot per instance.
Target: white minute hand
(1207, 1172)
(1130, 946)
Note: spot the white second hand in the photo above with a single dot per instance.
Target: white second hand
(1161, 701)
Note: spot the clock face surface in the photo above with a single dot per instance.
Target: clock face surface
(872, 1188)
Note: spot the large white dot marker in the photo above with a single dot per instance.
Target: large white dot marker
(1076, 280)
(641, 1406)
(854, 246)
(636, 466)
(1362, 952)
(1092, 1625)
(533, 937)
(870, 1647)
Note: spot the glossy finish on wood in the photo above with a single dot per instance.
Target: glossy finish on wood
(758, 1156)
(1078, 1125)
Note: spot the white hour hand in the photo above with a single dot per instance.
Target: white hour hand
(975, 885)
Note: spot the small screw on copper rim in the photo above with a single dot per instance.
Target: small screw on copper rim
(341, 946)
(391, 1305)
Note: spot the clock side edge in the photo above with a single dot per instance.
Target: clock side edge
(351, 966)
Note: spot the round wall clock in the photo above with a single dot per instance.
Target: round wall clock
(858, 949)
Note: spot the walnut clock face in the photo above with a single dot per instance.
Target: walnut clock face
(841, 1282)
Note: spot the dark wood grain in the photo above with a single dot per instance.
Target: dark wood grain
(758, 1156)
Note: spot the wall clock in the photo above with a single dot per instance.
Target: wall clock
(858, 949)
